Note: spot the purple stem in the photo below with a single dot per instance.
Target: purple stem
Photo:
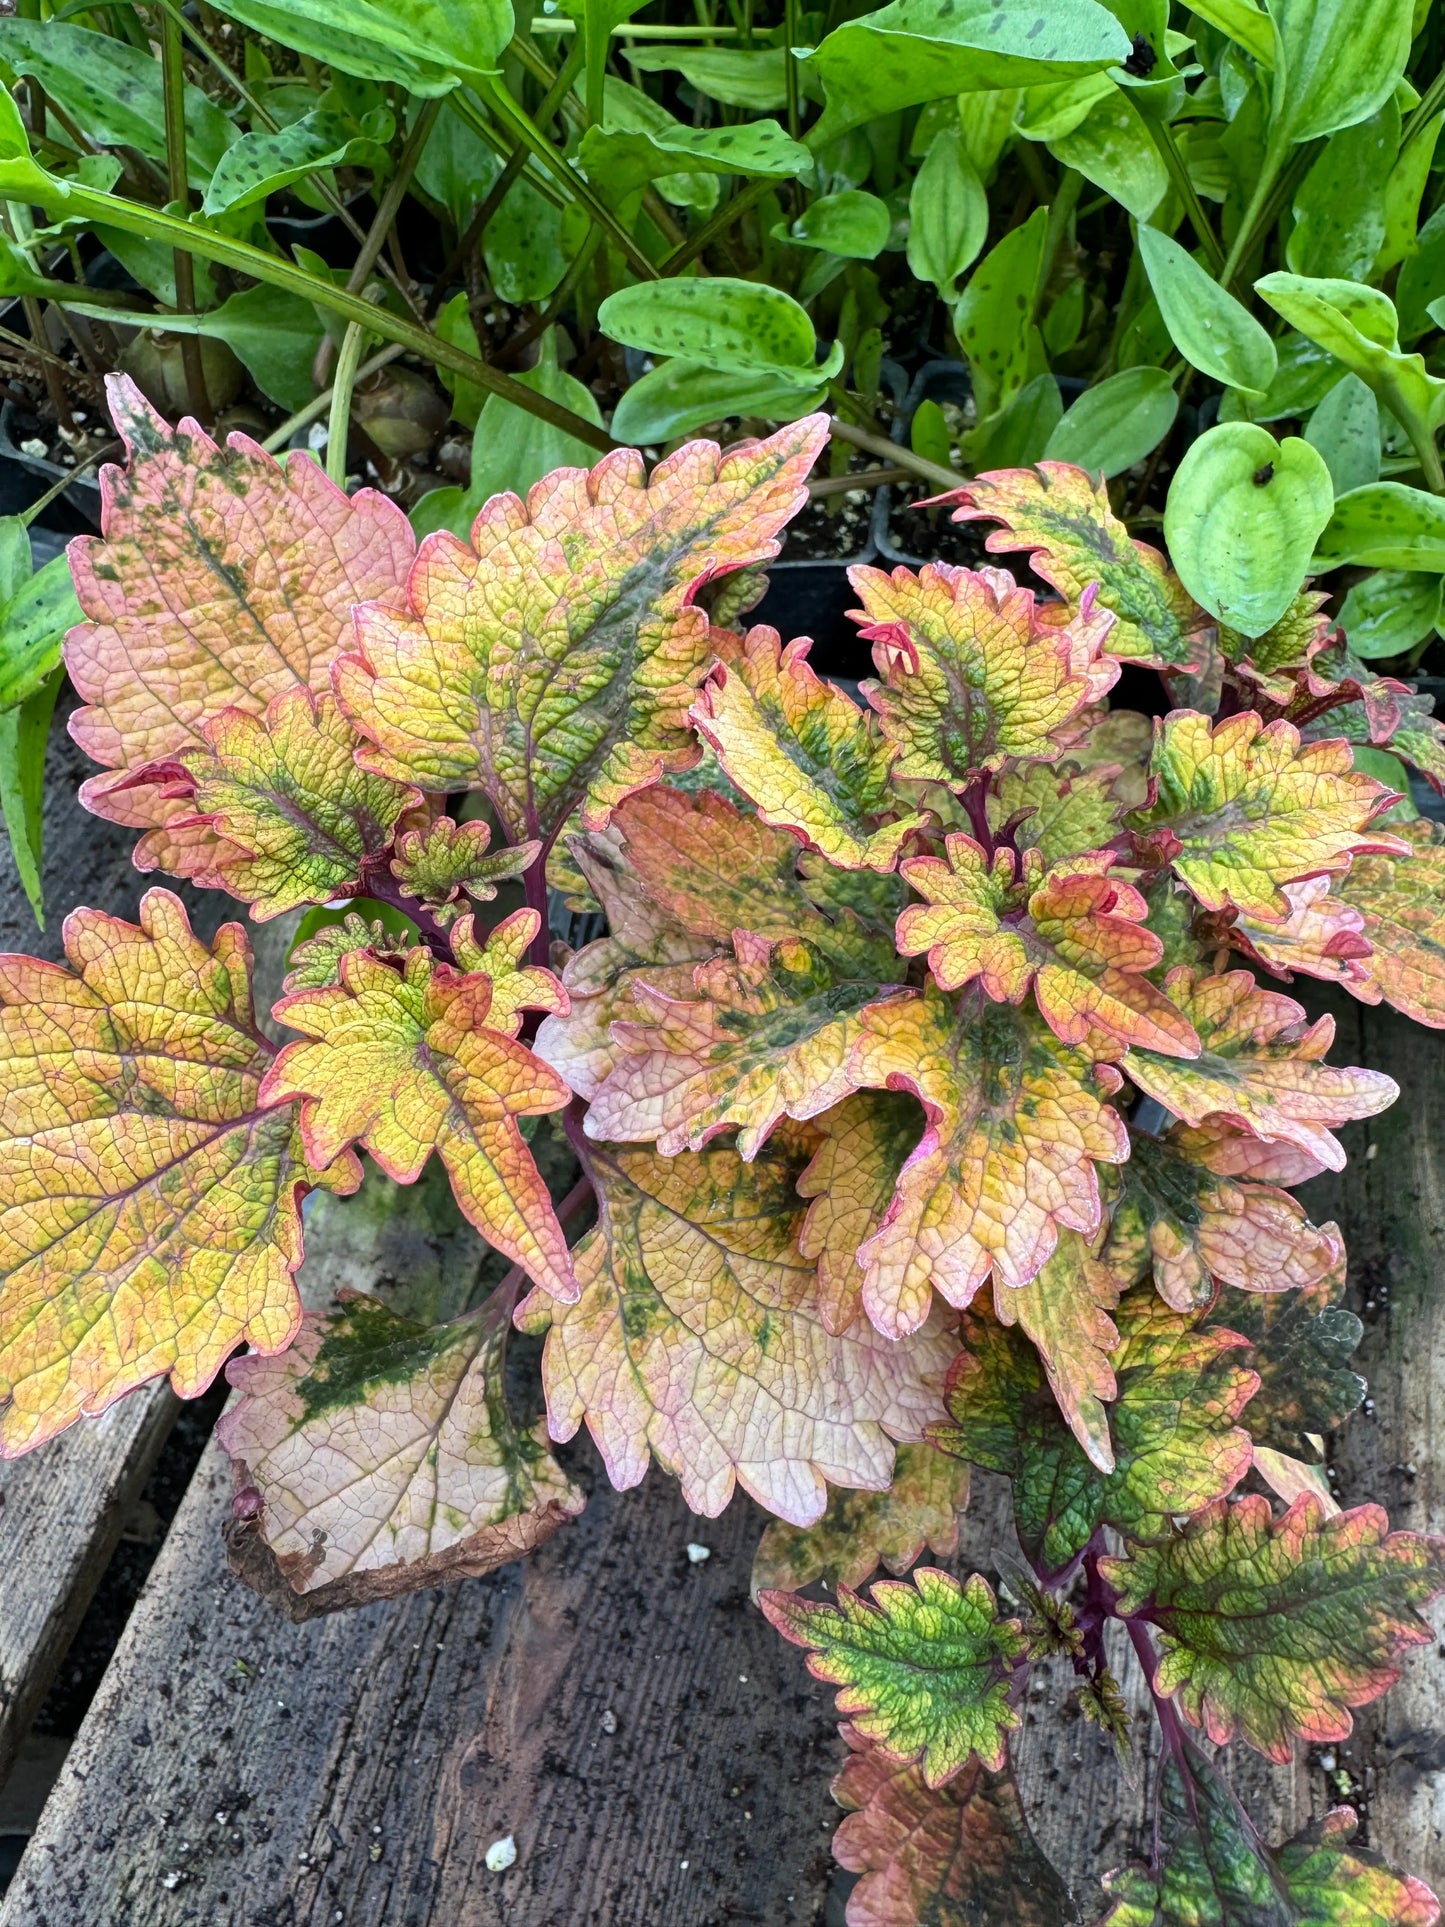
(1169, 1721)
(975, 801)
(382, 887)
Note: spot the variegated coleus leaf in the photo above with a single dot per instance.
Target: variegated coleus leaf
(975, 674)
(1074, 933)
(500, 956)
(1240, 809)
(377, 1456)
(865, 1143)
(440, 862)
(400, 1058)
(149, 1193)
(1061, 515)
(1419, 738)
(1212, 1868)
(1015, 1129)
(1177, 1444)
(552, 662)
(293, 819)
(697, 1340)
(1261, 1068)
(862, 1530)
(1189, 1223)
(316, 961)
(1277, 663)
(959, 1853)
(1401, 902)
(924, 1671)
(1059, 809)
(802, 751)
(644, 944)
(222, 578)
(1272, 1630)
(1066, 1312)
(1300, 1346)
(1323, 935)
(771, 1035)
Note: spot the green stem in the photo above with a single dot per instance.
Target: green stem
(1431, 102)
(1244, 239)
(790, 66)
(339, 426)
(1176, 168)
(173, 90)
(392, 199)
(318, 404)
(573, 185)
(713, 230)
(154, 224)
(895, 452)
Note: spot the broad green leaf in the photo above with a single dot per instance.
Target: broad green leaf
(1213, 331)
(999, 1173)
(917, 50)
(767, 1034)
(862, 1530)
(1116, 423)
(1183, 1217)
(1359, 327)
(1336, 62)
(260, 163)
(1339, 208)
(1212, 1866)
(1261, 1068)
(740, 327)
(511, 450)
(1053, 108)
(1402, 902)
(924, 1671)
(947, 213)
(456, 167)
(1345, 428)
(1075, 935)
(1385, 525)
(1019, 432)
(1242, 518)
(637, 144)
(1062, 517)
(1389, 612)
(974, 677)
(377, 1456)
(751, 77)
(693, 1276)
(295, 820)
(679, 396)
(804, 753)
(1112, 148)
(1300, 1344)
(35, 613)
(113, 91)
(151, 1195)
(1272, 1630)
(404, 1062)
(24, 733)
(851, 223)
(992, 315)
(586, 588)
(1247, 808)
(1247, 24)
(248, 594)
(1177, 1444)
(962, 1851)
(1422, 278)
(426, 45)
(524, 245)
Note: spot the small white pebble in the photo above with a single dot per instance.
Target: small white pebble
(317, 435)
(501, 1855)
(696, 1553)
(79, 414)
(170, 1881)
(1327, 1762)
(683, 1865)
(609, 1721)
(742, 1679)
(221, 1816)
(35, 448)
(1372, 1151)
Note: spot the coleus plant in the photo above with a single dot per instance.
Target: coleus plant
(930, 1080)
